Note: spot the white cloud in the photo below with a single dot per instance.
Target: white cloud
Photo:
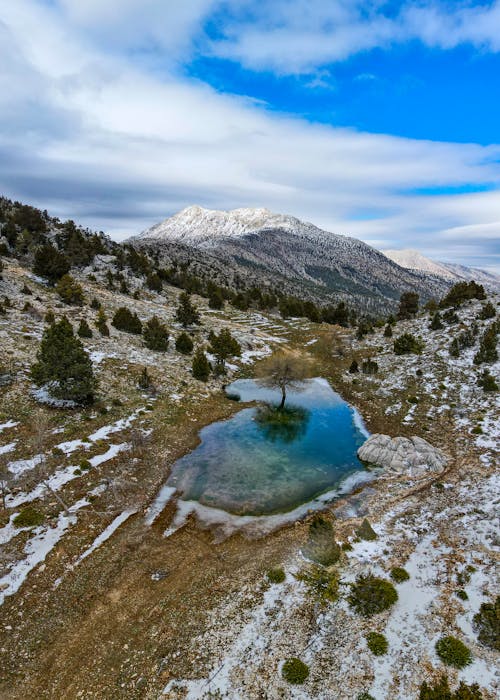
(93, 137)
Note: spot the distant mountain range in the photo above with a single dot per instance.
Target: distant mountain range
(413, 260)
(289, 254)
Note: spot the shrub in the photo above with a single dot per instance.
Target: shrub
(369, 366)
(436, 323)
(144, 381)
(125, 320)
(322, 583)
(29, 517)
(186, 314)
(155, 335)
(84, 329)
(453, 652)
(487, 381)
(371, 595)
(408, 305)
(223, 346)
(95, 304)
(487, 346)
(388, 331)
(399, 574)
(184, 344)
(353, 368)
(321, 546)
(85, 465)
(462, 594)
(487, 624)
(441, 691)
(276, 575)
(407, 344)
(295, 671)
(200, 366)
(50, 263)
(101, 324)
(69, 291)
(487, 311)
(365, 696)
(154, 283)
(366, 532)
(377, 643)
(346, 546)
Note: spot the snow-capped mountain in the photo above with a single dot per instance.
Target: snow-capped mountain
(413, 260)
(290, 254)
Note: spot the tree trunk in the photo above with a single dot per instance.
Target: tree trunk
(283, 398)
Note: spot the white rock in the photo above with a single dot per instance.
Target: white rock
(414, 456)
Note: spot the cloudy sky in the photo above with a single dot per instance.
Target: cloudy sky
(374, 119)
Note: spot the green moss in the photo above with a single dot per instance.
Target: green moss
(371, 595)
(29, 517)
(323, 584)
(398, 574)
(453, 652)
(365, 696)
(85, 465)
(440, 690)
(295, 671)
(276, 575)
(377, 643)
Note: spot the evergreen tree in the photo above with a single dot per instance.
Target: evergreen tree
(101, 324)
(184, 344)
(49, 317)
(95, 304)
(144, 381)
(369, 366)
(125, 320)
(200, 366)
(63, 365)
(223, 346)
(487, 311)
(187, 314)
(153, 282)
(354, 368)
(215, 299)
(50, 263)
(462, 292)
(487, 382)
(455, 348)
(84, 330)
(70, 291)
(155, 335)
(388, 331)
(436, 323)
(407, 344)
(408, 305)
(487, 346)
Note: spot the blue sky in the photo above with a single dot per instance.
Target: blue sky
(374, 119)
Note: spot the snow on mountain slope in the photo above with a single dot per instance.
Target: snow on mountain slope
(413, 260)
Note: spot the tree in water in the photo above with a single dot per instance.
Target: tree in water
(283, 371)
(285, 424)
(63, 364)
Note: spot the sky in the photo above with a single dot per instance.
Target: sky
(378, 120)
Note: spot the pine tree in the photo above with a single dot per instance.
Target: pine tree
(70, 291)
(125, 320)
(184, 344)
(354, 368)
(487, 311)
(50, 263)
(436, 323)
(187, 314)
(155, 335)
(455, 348)
(215, 299)
(154, 283)
(84, 330)
(95, 304)
(487, 382)
(388, 331)
(63, 365)
(101, 324)
(408, 305)
(407, 344)
(200, 366)
(223, 346)
(487, 346)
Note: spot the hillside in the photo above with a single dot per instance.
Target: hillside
(275, 247)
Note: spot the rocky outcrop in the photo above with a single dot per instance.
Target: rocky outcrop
(413, 456)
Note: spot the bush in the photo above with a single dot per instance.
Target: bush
(125, 320)
(154, 283)
(365, 696)
(407, 344)
(377, 643)
(371, 595)
(487, 311)
(487, 624)
(276, 575)
(186, 314)
(295, 671)
(69, 291)
(101, 324)
(388, 331)
(50, 263)
(462, 594)
(366, 532)
(84, 329)
(441, 691)
(436, 323)
(29, 517)
(453, 652)
(369, 366)
(323, 584)
(85, 465)
(200, 366)
(184, 344)
(487, 381)
(321, 546)
(399, 574)
(155, 335)
(487, 346)
(353, 368)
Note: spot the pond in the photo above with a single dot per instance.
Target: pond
(264, 461)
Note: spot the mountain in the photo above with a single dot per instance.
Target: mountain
(295, 256)
(413, 260)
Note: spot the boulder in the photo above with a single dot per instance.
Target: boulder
(413, 456)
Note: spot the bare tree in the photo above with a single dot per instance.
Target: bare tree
(283, 371)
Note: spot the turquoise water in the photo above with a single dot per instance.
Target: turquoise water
(263, 461)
